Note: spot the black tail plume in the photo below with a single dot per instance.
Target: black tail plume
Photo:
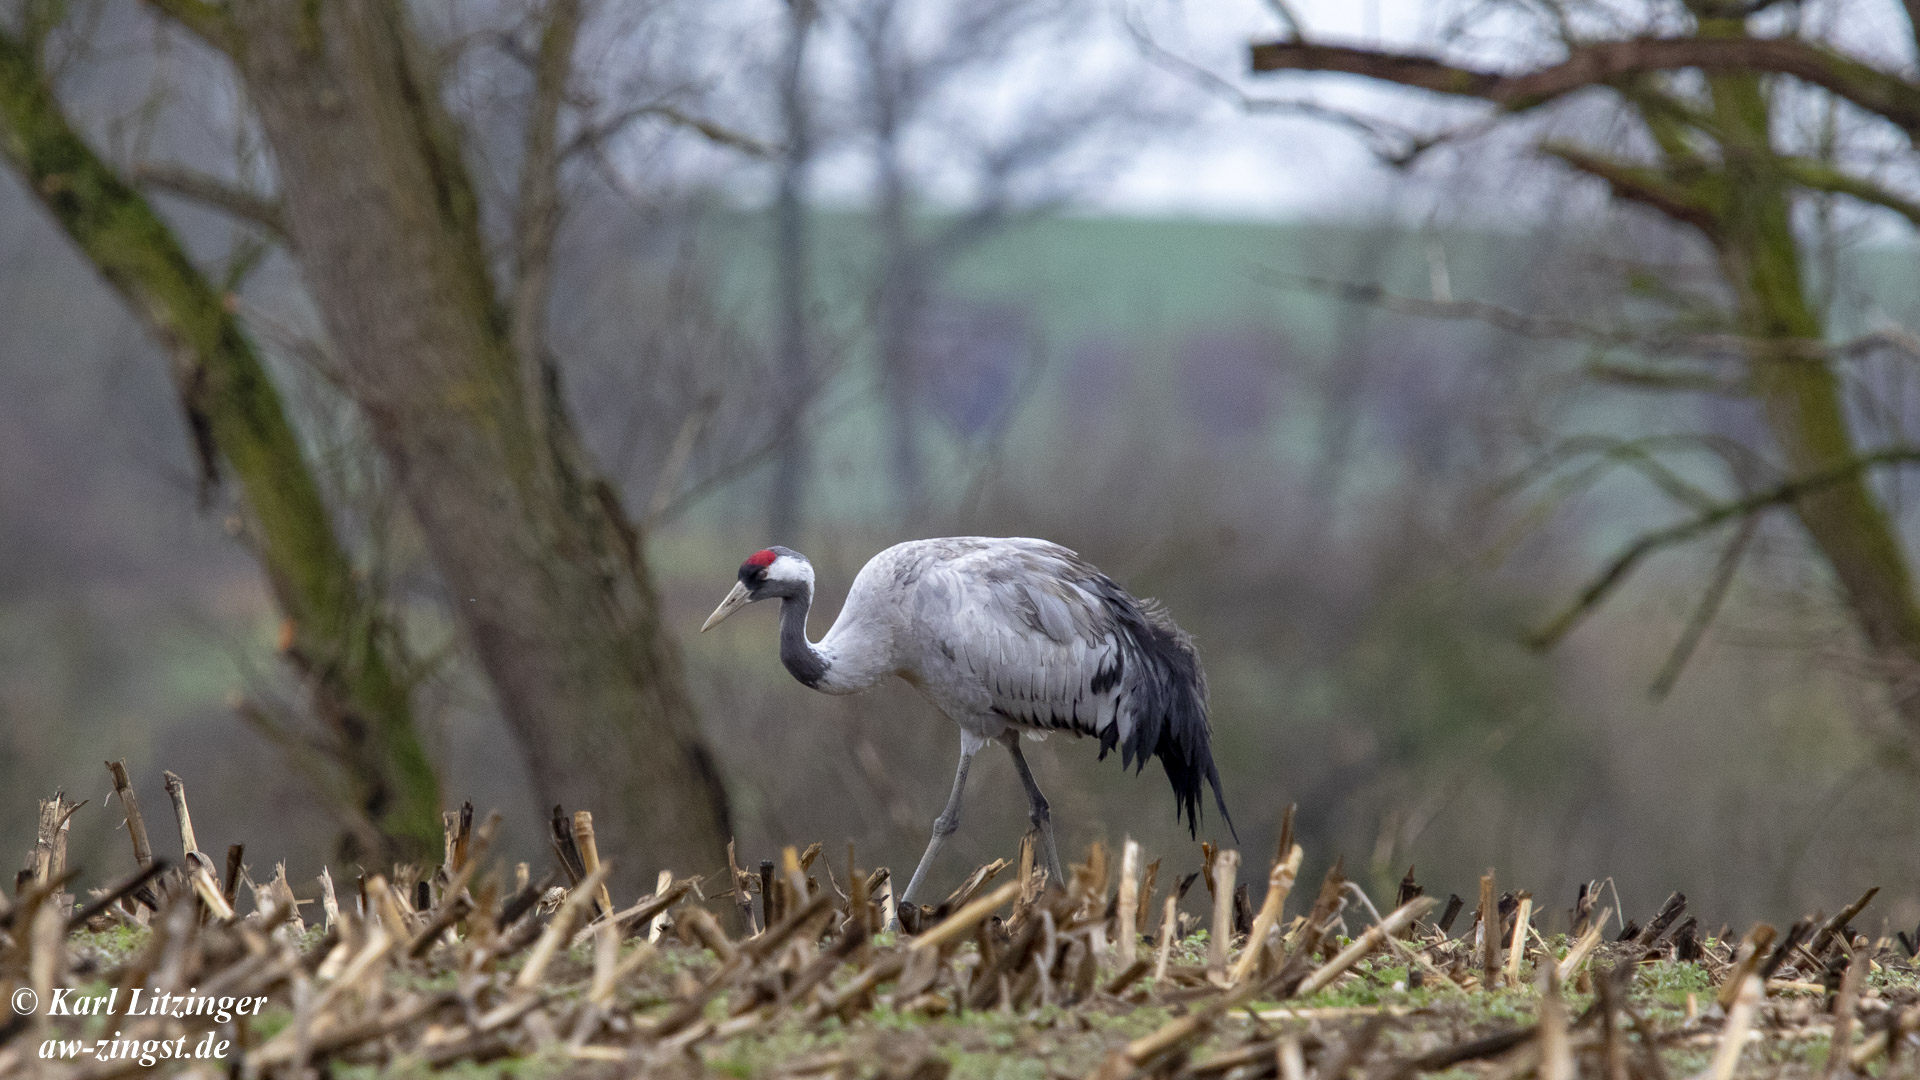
(1171, 715)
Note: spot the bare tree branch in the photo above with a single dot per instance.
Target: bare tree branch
(1897, 338)
(1298, 29)
(1636, 454)
(1635, 377)
(1714, 346)
(1390, 142)
(1821, 176)
(667, 484)
(1643, 184)
(1608, 452)
(669, 500)
(1706, 611)
(321, 764)
(1494, 315)
(592, 136)
(313, 352)
(1731, 346)
(714, 132)
(236, 201)
(1603, 62)
(1622, 564)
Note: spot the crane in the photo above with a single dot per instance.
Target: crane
(1007, 637)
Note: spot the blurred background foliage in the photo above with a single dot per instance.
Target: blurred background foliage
(1346, 505)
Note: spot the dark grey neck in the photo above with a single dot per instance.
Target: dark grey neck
(796, 652)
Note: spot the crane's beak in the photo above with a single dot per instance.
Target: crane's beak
(735, 600)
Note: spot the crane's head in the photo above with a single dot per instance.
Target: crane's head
(775, 572)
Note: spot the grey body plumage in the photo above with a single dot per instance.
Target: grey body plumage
(1006, 636)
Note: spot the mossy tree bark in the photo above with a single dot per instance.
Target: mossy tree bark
(335, 634)
(1749, 199)
(547, 577)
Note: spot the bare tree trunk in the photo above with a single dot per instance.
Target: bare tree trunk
(790, 227)
(907, 58)
(887, 87)
(337, 636)
(899, 298)
(547, 578)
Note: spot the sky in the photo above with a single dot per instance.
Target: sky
(1216, 160)
(1207, 155)
(1236, 165)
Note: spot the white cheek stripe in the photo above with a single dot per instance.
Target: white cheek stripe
(788, 568)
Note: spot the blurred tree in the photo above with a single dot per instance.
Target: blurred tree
(453, 373)
(337, 634)
(546, 575)
(791, 247)
(909, 59)
(1712, 98)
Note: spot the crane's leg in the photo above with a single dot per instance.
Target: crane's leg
(949, 819)
(1036, 807)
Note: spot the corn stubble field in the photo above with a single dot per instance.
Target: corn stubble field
(788, 969)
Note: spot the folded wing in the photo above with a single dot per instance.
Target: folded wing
(1058, 646)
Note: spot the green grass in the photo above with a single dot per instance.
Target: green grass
(1053, 1041)
(996, 1045)
(533, 1067)
(107, 948)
